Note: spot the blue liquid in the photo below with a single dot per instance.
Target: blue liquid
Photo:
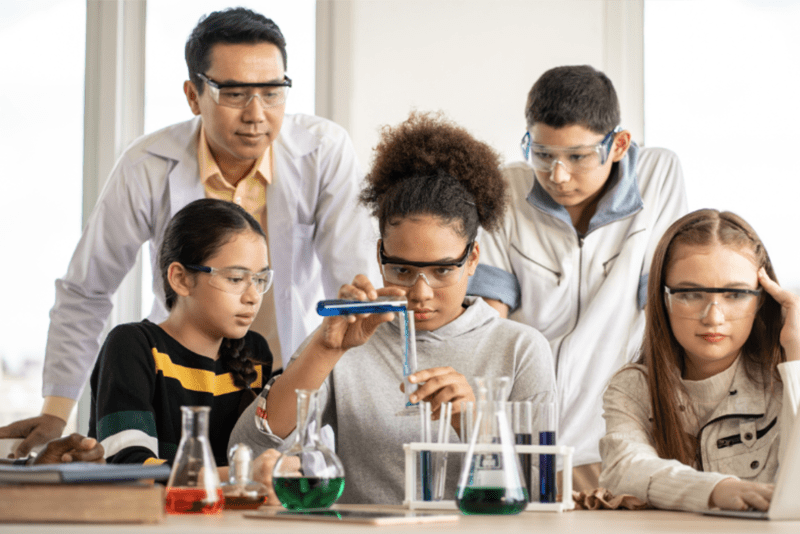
(525, 460)
(329, 308)
(547, 469)
(425, 474)
(410, 388)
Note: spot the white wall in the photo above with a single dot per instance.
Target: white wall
(474, 59)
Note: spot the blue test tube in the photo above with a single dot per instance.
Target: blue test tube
(425, 466)
(547, 462)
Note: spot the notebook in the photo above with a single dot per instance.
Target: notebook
(81, 473)
(784, 504)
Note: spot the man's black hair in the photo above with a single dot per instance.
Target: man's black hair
(230, 26)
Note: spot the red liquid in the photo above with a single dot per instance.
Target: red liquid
(193, 501)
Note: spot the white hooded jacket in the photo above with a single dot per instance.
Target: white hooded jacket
(585, 293)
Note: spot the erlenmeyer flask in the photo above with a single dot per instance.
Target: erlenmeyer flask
(491, 481)
(308, 474)
(241, 491)
(193, 486)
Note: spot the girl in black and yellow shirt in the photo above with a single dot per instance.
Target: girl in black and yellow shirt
(214, 267)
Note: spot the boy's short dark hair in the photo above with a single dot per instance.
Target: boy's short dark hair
(231, 26)
(577, 94)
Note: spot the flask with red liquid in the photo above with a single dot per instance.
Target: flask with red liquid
(193, 486)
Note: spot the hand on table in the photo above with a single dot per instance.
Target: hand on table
(790, 305)
(72, 448)
(36, 431)
(733, 494)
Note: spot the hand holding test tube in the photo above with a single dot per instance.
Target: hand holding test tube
(384, 304)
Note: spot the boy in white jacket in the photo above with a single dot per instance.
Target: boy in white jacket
(571, 259)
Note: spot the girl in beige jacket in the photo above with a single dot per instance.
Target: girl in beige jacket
(696, 424)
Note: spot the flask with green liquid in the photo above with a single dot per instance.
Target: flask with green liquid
(309, 474)
(491, 481)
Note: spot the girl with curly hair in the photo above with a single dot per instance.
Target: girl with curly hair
(431, 187)
(699, 421)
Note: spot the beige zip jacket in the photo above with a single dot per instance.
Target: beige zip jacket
(740, 439)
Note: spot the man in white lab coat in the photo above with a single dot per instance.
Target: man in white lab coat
(297, 174)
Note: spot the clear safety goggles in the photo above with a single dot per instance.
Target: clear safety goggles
(239, 95)
(575, 160)
(696, 302)
(236, 281)
(436, 274)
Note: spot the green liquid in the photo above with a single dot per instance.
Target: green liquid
(296, 493)
(496, 501)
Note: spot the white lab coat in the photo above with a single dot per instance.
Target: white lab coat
(319, 236)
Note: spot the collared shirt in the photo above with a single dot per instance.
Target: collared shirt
(250, 192)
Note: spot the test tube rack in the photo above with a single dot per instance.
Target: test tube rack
(566, 502)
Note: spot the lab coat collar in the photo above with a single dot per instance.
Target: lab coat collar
(297, 140)
(177, 141)
(179, 145)
(621, 200)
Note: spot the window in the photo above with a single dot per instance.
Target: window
(721, 84)
(42, 143)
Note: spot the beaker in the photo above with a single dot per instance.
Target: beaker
(308, 474)
(241, 491)
(491, 481)
(193, 486)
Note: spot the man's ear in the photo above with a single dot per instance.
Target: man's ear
(192, 96)
(622, 142)
(179, 279)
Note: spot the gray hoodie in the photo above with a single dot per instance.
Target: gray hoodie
(362, 395)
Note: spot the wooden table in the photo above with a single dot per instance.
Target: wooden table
(594, 522)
